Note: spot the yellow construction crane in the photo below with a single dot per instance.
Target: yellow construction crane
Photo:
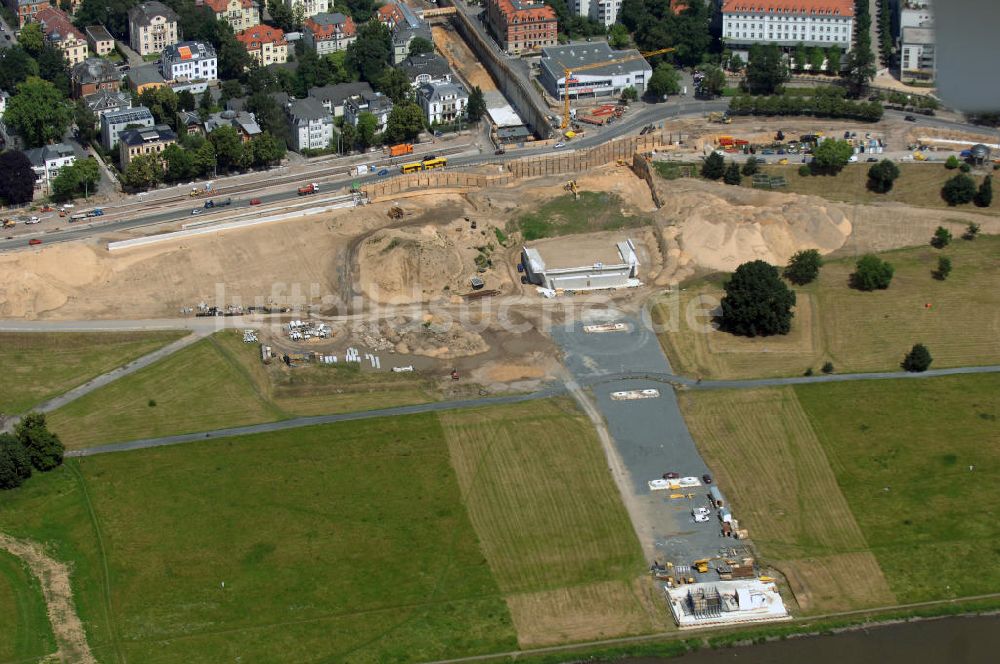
(568, 72)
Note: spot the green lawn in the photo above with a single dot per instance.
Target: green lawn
(346, 542)
(902, 453)
(25, 633)
(566, 215)
(39, 366)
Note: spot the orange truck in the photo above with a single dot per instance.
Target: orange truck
(308, 189)
(401, 149)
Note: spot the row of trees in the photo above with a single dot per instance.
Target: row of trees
(654, 25)
(32, 447)
(962, 189)
(820, 104)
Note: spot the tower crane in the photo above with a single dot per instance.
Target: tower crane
(568, 72)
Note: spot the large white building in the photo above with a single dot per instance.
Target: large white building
(442, 102)
(917, 53)
(189, 61)
(788, 23)
(604, 12)
(152, 26)
(581, 263)
(309, 7)
(607, 81)
(47, 161)
(311, 124)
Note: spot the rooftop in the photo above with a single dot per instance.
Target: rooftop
(240, 120)
(98, 33)
(580, 251)
(522, 9)
(95, 69)
(38, 156)
(147, 11)
(431, 64)
(308, 109)
(144, 75)
(830, 7)
(434, 91)
(56, 24)
(923, 36)
(128, 115)
(327, 25)
(104, 99)
(554, 58)
(336, 94)
(188, 50)
(143, 135)
(220, 6)
(252, 38)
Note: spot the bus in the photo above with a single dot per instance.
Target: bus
(437, 162)
(412, 167)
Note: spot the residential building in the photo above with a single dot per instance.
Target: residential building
(917, 57)
(787, 23)
(309, 7)
(152, 26)
(915, 14)
(143, 140)
(144, 77)
(405, 26)
(265, 44)
(46, 162)
(99, 40)
(190, 122)
(61, 33)
(103, 102)
(243, 122)
(239, 14)
(94, 74)
(521, 25)
(426, 68)
(604, 12)
(25, 10)
(5, 97)
(189, 61)
(311, 124)
(442, 102)
(115, 122)
(5, 134)
(375, 103)
(333, 97)
(328, 33)
(607, 81)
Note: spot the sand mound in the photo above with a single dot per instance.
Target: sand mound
(45, 279)
(721, 227)
(397, 266)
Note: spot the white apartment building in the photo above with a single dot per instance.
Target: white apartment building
(309, 7)
(189, 61)
(787, 23)
(152, 26)
(311, 124)
(46, 162)
(442, 102)
(604, 12)
(917, 42)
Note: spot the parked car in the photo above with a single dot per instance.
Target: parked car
(196, 211)
(671, 475)
(499, 151)
(558, 145)
(700, 518)
(910, 118)
(383, 172)
(34, 241)
(33, 220)
(254, 201)
(701, 511)
(706, 478)
(871, 160)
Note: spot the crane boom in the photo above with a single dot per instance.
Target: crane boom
(567, 72)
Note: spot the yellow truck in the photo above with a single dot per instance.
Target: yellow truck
(8, 223)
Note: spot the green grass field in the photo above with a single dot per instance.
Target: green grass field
(859, 331)
(566, 215)
(25, 633)
(861, 492)
(40, 365)
(220, 382)
(338, 543)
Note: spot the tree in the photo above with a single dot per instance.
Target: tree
(664, 81)
(732, 174)
(618, 36)
(714, 81)
(186, 100)
(270, 117)
(833, 56)
(179, 162)
(113, 14)
(941, 238)
(860, 67)
(366, 127)
(831, 156)
(31, 38)
(751, 166)
(951, 163)
(348, 136)
(943, 268)
(766, 71)
(801, 56)
(405, 123)
(228, 146)
(757, 302)
(476, 107)
(735, 63)
(803, 267)
(44, 448)
(984, 196)
(371, 52)
(918, 359)
(871, 273)
(816, 58)
(714, 167)
(654, 25)
(38, 112)
(959, 190)
(54, 68)
(162, 103)
(143, 171)
(394, 84)
(882, 175)
(204, 159)
(15, 465)
(17, 179)
(420, 45)
(15, 67)
(629, 94)
(233, 56)
(971, 231)
(281, 15)
(85, 121)
(266, 150)
(80, 177)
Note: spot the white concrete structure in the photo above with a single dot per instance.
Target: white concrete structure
(607, 81)
(581, 264)
(604, 12)
(311, 124)
(725, 603)
(787, 23)
(309, 7)
(917, 53)
(190, 61)
(442, 102)
(46, 162)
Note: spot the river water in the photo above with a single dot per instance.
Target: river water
(973, 640)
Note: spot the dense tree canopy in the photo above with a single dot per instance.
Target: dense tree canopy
(664, 81)
(15, 465)
(959, 190)
(45, 450)
(79, 178)
(655, 25)
(477, 104)
(38, 112)
(17, 179)
(984, 195)
(882, 175)
(405, 123)
(757, 302)
(714, 167)
(831, 156)
(871, 273)
(15, 67)
(918, 359)
(112, 14)
(420, 45)
(371, 52)
(803, 267)
(143, 171)
(766, 69)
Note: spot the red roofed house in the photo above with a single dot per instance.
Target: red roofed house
(265, 44)
(328, 33)
(61, 33)
(25, 9)
(522, 25)
(787, 23)
(239, 14)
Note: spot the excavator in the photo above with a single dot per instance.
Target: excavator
(571, 186)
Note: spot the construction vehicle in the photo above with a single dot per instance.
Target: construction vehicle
(308, 189)
(400, 150)
(215, 204)
(568, 76)
(571, 186)
(9, 223)
(96, 212)
(395, 212)
(722, 118)
(701, 565)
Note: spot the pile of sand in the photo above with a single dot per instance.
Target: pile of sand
(720, 227)
(425, 336)
(397, 266)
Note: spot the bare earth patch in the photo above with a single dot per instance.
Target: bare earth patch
(54, 579)
(819, 582)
